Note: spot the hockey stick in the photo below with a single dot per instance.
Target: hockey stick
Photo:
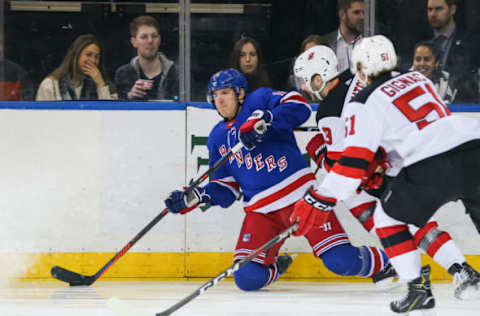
(122, 309)
(306, 129)
(75, 279)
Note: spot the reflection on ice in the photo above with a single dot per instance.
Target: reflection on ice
(224, 299)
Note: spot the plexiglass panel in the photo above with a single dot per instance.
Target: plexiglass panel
(37, 35)
(48, 40)
(439, 38)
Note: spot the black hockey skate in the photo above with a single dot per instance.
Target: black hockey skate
(383, 280)
(283, 263)
(466, 280)
(419, 296)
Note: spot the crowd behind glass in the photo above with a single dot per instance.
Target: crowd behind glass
(443, 45)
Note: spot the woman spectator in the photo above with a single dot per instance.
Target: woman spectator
(425, 61)
(248, 58)
(80, 76)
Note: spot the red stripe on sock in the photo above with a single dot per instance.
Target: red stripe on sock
(401, 248)
(377, 260)
(438, 243)
(423, 231)
(369, 224)
(391, 230)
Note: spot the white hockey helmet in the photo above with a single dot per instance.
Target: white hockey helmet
(317, 60)
(375, 55)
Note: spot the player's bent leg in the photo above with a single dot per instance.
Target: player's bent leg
(330, 243)
(348, 260)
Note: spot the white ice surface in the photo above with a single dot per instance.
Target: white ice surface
(281, 299)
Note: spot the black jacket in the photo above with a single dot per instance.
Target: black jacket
(462, 64)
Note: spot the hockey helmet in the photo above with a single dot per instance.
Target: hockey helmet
(374, 55)
(228, 78)
(317, 60)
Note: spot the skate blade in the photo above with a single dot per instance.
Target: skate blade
(428, 312)
(422, 312)
(387, 285)
(470, 293)
(120, 308)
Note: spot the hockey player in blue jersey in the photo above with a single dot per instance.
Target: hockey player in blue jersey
(272, 174)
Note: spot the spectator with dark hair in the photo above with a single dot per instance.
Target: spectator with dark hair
(81, 75)
(425, 61)
(248, 58)
(15, 84)
(150, 75)
(351, 14)
(456, 48)
(312, 40)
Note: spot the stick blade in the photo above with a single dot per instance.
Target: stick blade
(121, 308)
(70, 277)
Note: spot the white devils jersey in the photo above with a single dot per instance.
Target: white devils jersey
(354, 87)
(329, 117)
(404, 115)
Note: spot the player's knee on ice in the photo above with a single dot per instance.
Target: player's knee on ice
(252, 276)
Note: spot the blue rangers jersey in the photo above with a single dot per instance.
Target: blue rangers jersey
(274, 174)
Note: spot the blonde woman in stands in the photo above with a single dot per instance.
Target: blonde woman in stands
(80, 76)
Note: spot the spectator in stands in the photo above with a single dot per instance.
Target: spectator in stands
(351, 14)
(80, 76)
(15, 84)
(312, 40)
(425, 61)
(293, 83)
(456, 48)
(248, 58)
(150, 75)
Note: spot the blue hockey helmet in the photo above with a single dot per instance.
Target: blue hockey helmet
(228, 78)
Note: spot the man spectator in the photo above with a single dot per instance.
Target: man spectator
(150, 75)
(455, 47)
(15, 84)
(351, 14)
